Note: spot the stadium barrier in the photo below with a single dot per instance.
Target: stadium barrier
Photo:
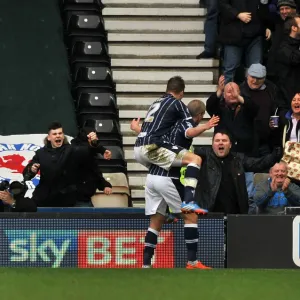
(105, 239)
(113, 238)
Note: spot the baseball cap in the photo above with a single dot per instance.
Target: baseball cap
(257, 71)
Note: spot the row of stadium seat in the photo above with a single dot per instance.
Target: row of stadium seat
(93, 88)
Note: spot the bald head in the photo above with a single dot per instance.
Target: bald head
(231, 92)
(279, 172)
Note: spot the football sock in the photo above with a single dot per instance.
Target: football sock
(150, 245)
(190, 182)
(191, 241)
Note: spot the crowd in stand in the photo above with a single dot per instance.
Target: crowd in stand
(258, 95)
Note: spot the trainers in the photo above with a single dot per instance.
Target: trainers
(146, 267)
(192, 207)
(197, 265)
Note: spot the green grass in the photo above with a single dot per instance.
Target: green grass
(144, 284)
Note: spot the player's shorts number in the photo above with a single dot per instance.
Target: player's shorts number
(152, 110)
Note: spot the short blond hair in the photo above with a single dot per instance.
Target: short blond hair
(196, 107)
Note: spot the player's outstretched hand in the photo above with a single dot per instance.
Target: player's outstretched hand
(135, 125)
(213, 122)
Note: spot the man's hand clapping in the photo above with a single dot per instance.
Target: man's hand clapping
(221, 86)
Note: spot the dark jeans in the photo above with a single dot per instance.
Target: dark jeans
(211, 26)
(252, 49)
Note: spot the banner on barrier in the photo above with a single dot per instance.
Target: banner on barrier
(102, 243)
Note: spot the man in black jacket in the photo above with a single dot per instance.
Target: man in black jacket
(241, 32)
(222, 186)
(60, 165)
(288, 60)
(236, 115)
(263, 93)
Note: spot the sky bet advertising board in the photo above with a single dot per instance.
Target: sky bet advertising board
(99, 243)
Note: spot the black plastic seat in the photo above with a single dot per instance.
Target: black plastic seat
(78, 2)
(73, 7)
(92, 86)
(84, 21)
(89, 49)
(87, 91)
(116, 164)
(72, 43)
(107, 130)
(97, 102)
(91, 70)
(97, 73)
(84, 116)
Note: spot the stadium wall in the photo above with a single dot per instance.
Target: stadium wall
(114, 240)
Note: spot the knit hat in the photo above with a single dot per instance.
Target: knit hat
(290, 3)
(257, 71)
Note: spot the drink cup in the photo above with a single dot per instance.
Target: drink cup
(275, 120)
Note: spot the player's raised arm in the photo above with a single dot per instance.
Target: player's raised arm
(195, 131)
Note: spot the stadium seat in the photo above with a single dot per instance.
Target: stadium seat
(98, 73)
(81, 7)
(108, 131)
(96, 2)
(260, 177)
(118, 181)
(72, 41)
(116, 164)
(96, 90)
(89, 49)
(91, 70)
(114, 200)
(84, 21)
(104, 103)
(92, 86)
(120, 192)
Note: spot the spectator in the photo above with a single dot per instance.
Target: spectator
(210, 30)
(288, 60)
(236, 115)
(60, 165)
(286, 8)
(264, 95)
(221, 185)
(272, 195)
(91, 178)
(290, 139)
(241, 33)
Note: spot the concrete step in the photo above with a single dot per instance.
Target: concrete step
(160, 76)
(127, 100)
(151, 24)
(138, 193)
(155, 37)
(161, 88)
(130, 114)
(153, 11)
(199, 141)
(164, 63)
(125, 128)
(173, 3)
(154, 50)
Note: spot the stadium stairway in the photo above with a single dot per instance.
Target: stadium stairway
(150, 41)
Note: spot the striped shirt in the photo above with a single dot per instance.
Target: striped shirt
(161, 117)
(177, 137)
